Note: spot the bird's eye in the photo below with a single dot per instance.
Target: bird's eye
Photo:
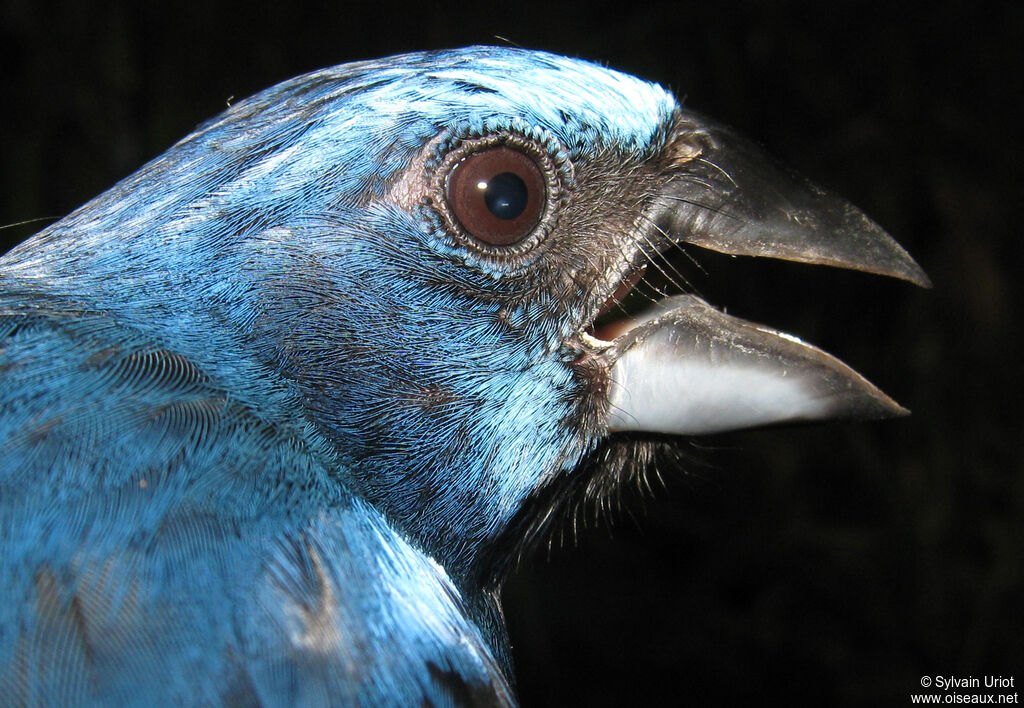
(497, 195)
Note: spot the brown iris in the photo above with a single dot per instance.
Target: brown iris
(497, 195)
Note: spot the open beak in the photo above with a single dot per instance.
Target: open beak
(685, 367)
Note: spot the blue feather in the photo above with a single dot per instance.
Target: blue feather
(271, 423)
(208, 370)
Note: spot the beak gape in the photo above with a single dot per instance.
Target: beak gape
(685, 367)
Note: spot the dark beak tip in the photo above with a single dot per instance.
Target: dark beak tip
(920, 278)
(894, 410)
(871, 403)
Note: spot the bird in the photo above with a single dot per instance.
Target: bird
(280, 411)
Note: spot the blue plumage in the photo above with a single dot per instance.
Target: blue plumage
(272, 418)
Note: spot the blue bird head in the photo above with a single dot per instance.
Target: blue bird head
(402, 262)
(328, 243)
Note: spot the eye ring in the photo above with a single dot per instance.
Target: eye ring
(497, 194)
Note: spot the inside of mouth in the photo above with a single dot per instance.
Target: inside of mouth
(668, 272)
(614, 317)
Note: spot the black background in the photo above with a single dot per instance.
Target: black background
(828, 565)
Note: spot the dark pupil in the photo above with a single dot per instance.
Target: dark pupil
(506, 195)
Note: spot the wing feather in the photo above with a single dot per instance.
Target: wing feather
(163, 541)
